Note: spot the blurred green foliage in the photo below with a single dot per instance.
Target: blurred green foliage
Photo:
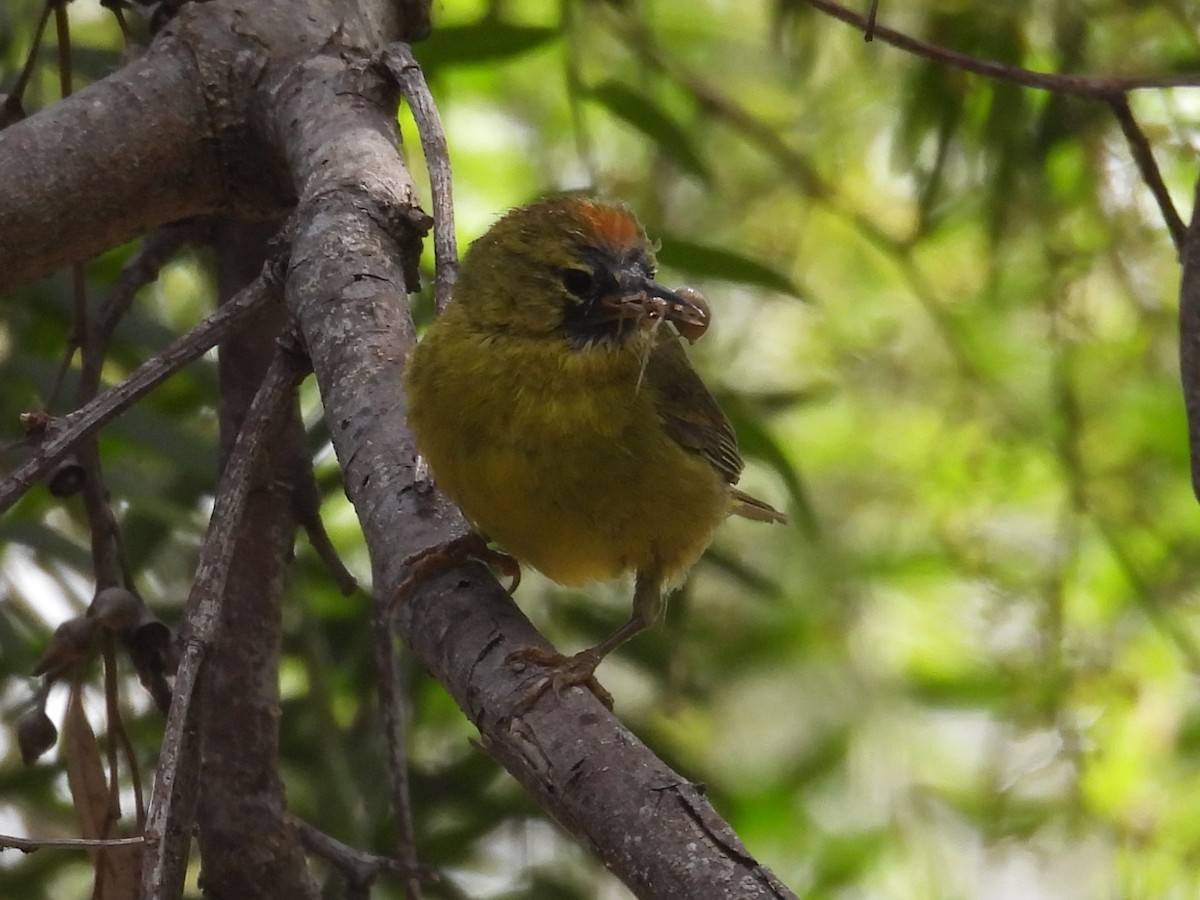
(945, 327)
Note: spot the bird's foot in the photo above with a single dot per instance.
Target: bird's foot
(561, 673)
(435, 560)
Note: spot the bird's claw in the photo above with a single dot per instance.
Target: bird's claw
(561, 673)
(436, 560)
(505, 565)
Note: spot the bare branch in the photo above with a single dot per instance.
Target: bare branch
(172, 802)
(395, 721)
(140, 270)
(1143, 155)
(119, 737)
(29, 845)
(360, 869)
(13, 107)
(61, 434)
(1081, 85)
(404, 68)
(67, 191)
(308, 514)
(1189, 336)
(872, 15)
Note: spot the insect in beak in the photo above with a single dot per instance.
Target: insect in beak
(687, 310)
(647, 302)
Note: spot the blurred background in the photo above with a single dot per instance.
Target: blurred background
(945, 328)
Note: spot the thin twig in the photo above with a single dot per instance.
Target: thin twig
(359, 867)
(118, 736)
(392, 710)
(78, 332)
(62, 26)
(114, 7)
(172, 802)
(308, 514)
(112, 705)
(29, 845)
(61, 434)
(13, 104)
(872, 14)
(1189, 336)
(284, 374)
(1143, 155)
(155, 250)
(399, 61)
(1081, 85)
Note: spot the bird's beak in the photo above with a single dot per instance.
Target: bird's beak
(645, 301)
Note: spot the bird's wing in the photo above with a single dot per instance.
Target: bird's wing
(688, 411)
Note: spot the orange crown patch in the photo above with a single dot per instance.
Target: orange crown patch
(607, 223)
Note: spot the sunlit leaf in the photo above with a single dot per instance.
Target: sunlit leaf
(481, 42)
(708, 261)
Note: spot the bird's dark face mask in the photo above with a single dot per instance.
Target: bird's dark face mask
(611, 301)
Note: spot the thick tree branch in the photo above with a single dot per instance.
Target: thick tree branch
(163, 138)
(120, 157)
(347, 286)
(248, 844)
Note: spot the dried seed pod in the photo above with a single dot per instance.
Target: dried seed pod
(67, 478)
(35, 735)
(69, 644)
(152, 645)
(116, 608)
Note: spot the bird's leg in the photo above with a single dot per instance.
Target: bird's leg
(438, 559)
(565, 671)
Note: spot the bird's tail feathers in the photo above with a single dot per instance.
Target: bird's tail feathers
(752, 508)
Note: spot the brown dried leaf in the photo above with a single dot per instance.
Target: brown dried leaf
(118, 869)
(85, 769)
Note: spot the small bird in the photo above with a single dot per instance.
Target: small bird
(554, 403)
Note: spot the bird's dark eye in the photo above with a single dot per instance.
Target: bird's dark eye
(580, 282)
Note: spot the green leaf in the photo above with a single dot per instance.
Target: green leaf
(706, 261)
(482, 42)
(651, 120)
